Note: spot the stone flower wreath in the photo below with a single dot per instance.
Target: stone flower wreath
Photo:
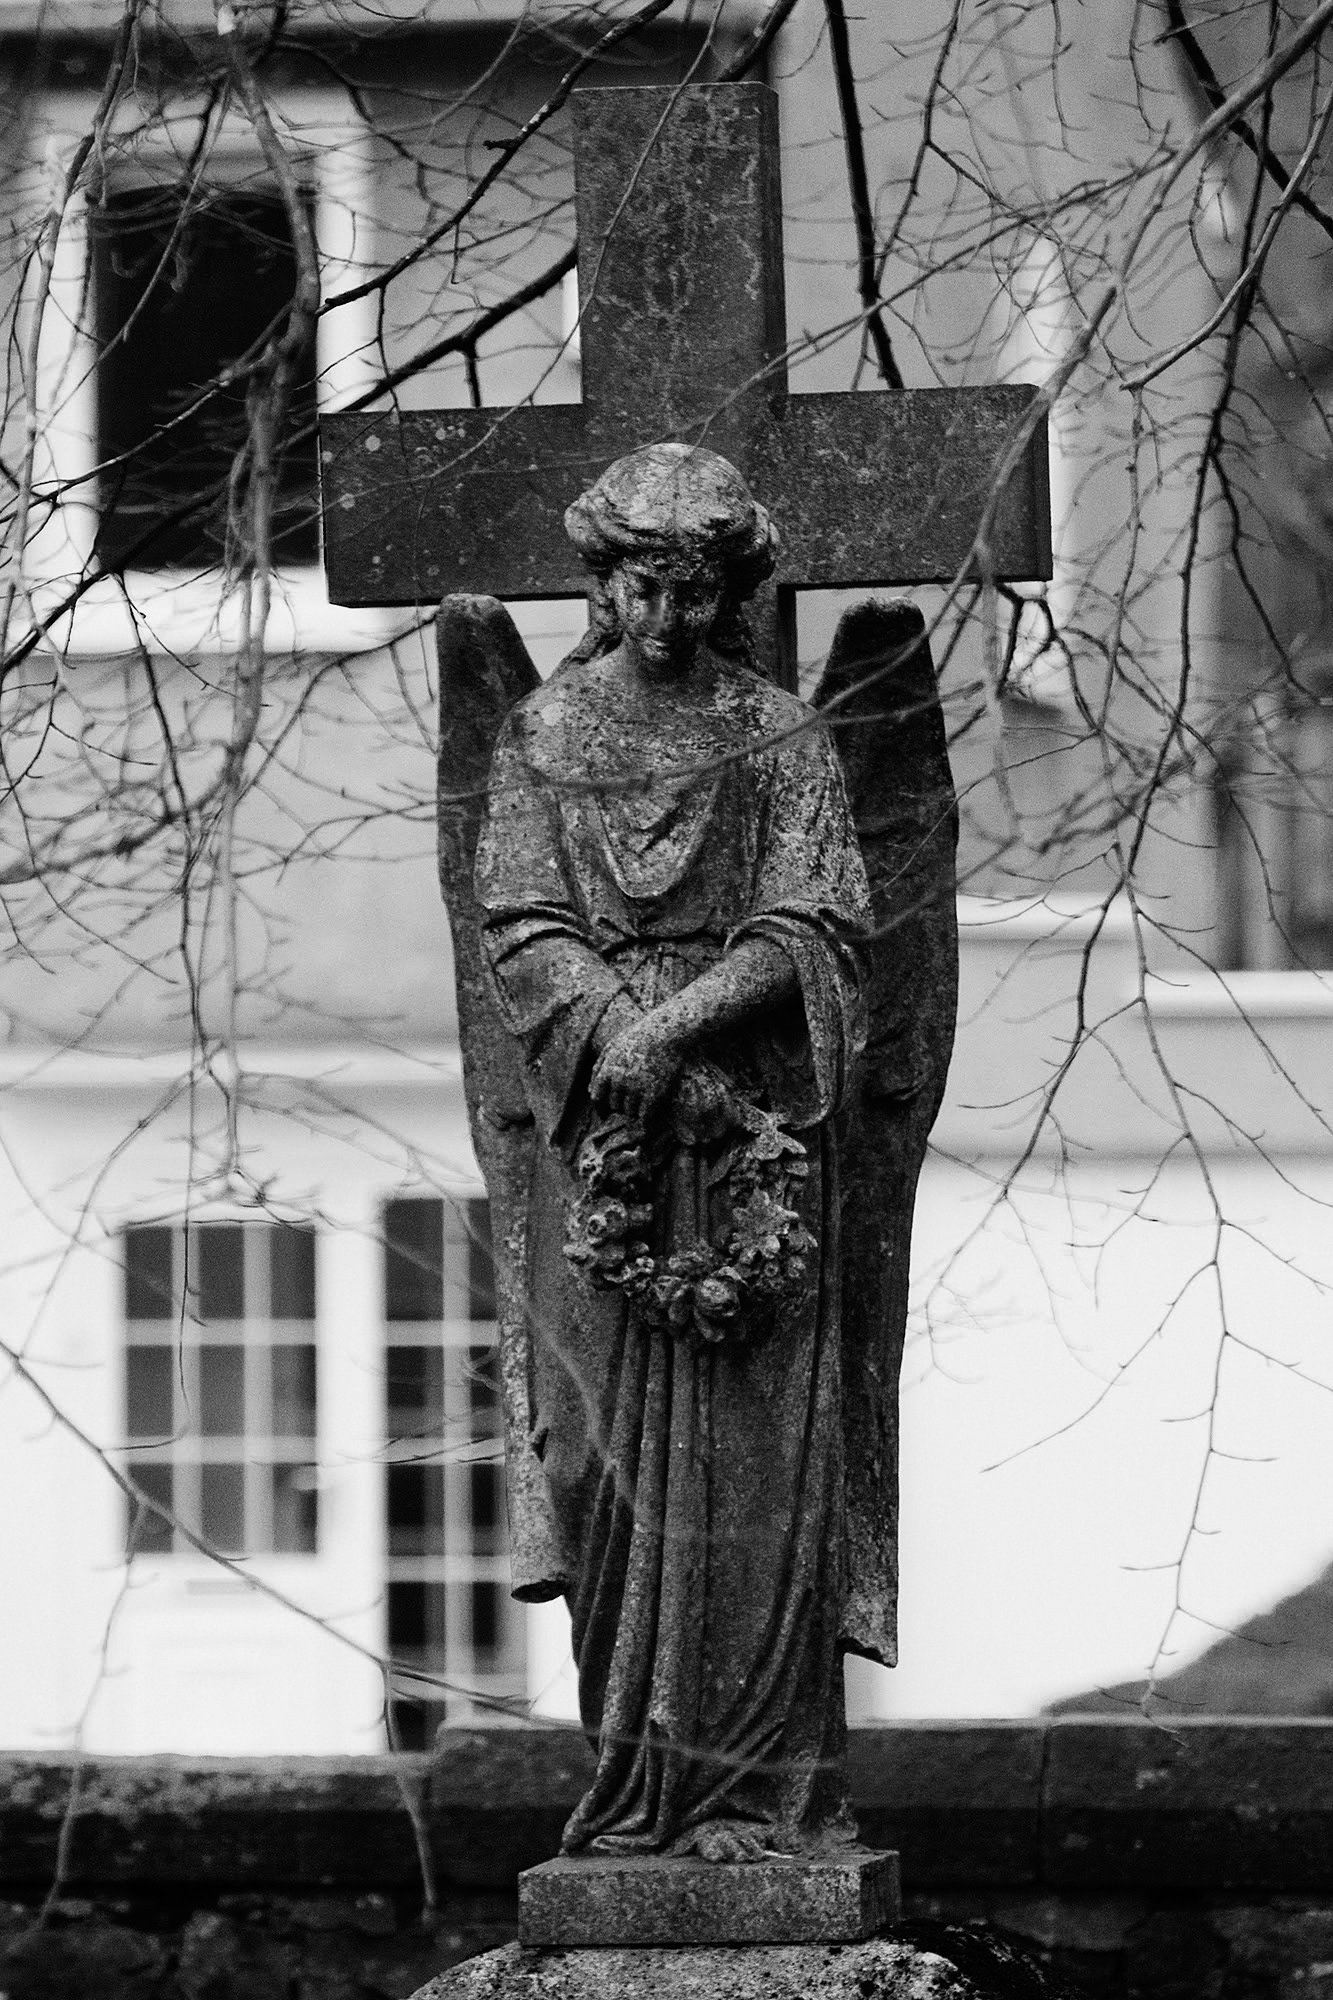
(712, 1292)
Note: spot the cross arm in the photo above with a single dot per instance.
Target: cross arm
(397, 529)
(884, 487)
(890, 486)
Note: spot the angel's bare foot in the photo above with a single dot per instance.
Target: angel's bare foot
(724, 1840)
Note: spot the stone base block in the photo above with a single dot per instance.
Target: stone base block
(877, 1969)
(587, 1901)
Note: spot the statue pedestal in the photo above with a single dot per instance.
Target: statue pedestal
(882, 1968)
(645, 1928)
(599, 1901)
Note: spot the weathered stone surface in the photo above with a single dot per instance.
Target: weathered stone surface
(608, 1901)
(680, 273)
(219, 1956)
(1156, 1942)
(879, 1969)
(1098, 1806)
(236, 1822)
(89, 1960)
(672, 902)
(957, 1812)
(499, 1799)
(680, 264)
(883, 486)
(880, 696)
(250, 1947)
(1240, 1803)
(484, 670)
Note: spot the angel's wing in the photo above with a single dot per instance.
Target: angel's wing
(484, 670)
(891, 736)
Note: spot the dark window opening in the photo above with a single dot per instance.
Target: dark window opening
(295, 1504)
(481, 1261)
(148, 1282)
(415, 1722)
(415, 1392)
(291, 1254)
(416, 1616)
(149, 1533)
(485, 1617)
(1273, 830)
(221, 1391)
(1311, 834)
(486, 1505)
(293, 1391)
(149, 1392)
(222, 1507)
(218, 1273)
(416, 1510)
(483, 1388)
(413, 1260)
(184, 285)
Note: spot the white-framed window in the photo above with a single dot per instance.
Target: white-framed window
(448, 1609)
(140, 309)
(221, 1385)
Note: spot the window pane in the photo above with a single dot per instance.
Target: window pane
(413, 1242)
(295, 1510)
(1311, 922)
(415, 1391)
(291, 1252)
(415, 1502)
(483, 1389)
(415, 1723)
(485, 1617)
(416, 1616)
(457, 1229)
(222, 1507)
(481, 1261)
(182, 285)
(294, 1391)
(486, 1505)
(148, 1379)
(148, 1273)
(148, 1534)
(221, 1391)
(218, 1270)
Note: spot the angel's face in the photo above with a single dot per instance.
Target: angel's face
(665, 610)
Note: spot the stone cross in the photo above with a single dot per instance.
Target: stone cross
(703, 1753)
(680, 282)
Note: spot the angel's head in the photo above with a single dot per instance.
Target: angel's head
(677, 545)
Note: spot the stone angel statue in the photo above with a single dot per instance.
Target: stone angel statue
(706, 961)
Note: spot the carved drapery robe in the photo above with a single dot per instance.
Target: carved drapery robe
(696, 1491)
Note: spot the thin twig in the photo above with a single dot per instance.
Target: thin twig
(1183, 37)
(862, 215)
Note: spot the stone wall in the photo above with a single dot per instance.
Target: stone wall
(1163, 1862)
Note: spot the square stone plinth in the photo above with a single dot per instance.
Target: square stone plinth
(603, 1900)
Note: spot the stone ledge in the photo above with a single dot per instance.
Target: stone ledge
(959, 1801)
(234, 1822)
(1237, 1804)
(1070, 1803)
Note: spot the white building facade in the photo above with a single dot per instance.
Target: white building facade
(245, 1250)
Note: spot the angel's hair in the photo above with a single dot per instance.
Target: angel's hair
(684, 506)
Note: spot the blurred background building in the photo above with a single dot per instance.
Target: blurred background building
(264, 1288)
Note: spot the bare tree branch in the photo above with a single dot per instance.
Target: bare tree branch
(862, 215)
